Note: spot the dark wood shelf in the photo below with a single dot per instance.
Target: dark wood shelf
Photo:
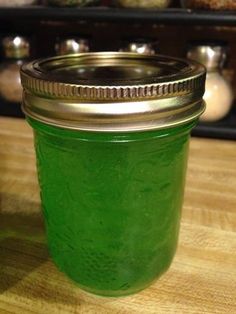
(223, 129)
(104, 14)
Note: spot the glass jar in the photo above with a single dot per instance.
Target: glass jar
(139, 46)
(209, 4)
(16, 50)
(219, 93)
(111, 136)
(72, 45)
(150, 4)
(16, 3)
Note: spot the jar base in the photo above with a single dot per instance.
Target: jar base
(112, 294)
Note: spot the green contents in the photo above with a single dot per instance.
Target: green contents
(112, 203)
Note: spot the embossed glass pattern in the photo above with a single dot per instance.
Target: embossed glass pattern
(112, 203)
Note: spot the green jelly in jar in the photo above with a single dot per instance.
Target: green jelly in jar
(111, 136)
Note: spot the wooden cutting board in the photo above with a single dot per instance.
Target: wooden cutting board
(202, 278)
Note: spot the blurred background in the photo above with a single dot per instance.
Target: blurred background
(203, 30)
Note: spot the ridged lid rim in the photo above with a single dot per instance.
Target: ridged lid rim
(38, 81)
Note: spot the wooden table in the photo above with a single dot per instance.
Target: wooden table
(202, 278)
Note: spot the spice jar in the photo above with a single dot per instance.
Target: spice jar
(150, 4)
(71, 3)
(111, 136)
(72, 45)
(140, 46)
(210, 4)
(219, 94)
(16, 50)
(16, 3)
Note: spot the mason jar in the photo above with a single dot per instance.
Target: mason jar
(111, 135)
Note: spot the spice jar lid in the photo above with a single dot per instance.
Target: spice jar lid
(140, 46)
(211, 55)
(72, 45)
(16, 47)
(113, 92)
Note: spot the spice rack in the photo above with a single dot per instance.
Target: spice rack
(10, 18)
(169, 16)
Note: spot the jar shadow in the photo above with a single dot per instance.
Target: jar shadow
(25, 266)
(22, 241)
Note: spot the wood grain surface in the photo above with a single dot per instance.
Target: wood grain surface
(202, 278)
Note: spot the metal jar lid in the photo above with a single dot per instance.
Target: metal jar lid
(113, 92)
(72, 45)
(212, 56)
(141, 46)
(16, 47)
